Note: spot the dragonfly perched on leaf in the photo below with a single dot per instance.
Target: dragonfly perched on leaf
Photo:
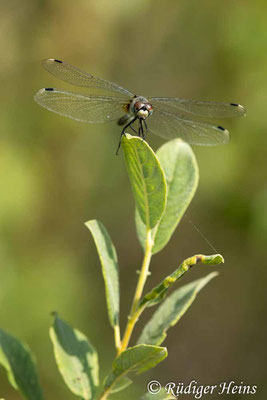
(168, 117)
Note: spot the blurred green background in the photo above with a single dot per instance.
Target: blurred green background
(56, 173)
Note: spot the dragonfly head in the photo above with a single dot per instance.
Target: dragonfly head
(142, 108)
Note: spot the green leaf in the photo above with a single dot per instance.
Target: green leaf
(147, 179)
(157, 294)
(171, 310)
(162, 395)
(76, 359)
(109, 262)
(180, 168)
(122, 384)
(135, 359)
(19, 363)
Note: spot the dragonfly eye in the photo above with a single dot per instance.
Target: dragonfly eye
(139, 105)
(149, 108)
(143, 110)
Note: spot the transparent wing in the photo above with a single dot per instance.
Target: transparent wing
(80, 107)
(74, 76)
(209, 109)
(170, 126)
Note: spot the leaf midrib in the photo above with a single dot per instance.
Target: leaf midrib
(145, 190)
(136, 365)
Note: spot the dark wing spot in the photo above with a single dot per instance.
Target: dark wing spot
(49, 89)
(58, 61)
(221, 128)
(234, 104)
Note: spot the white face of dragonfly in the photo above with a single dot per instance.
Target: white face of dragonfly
(141, 108)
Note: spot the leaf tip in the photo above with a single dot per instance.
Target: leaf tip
(128, 136)
(213, 275)
(89, 222)
(213, 259)
(165, 351)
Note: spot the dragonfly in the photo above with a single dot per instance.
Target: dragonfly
(167, 117)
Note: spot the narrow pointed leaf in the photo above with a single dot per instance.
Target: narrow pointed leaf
(171, 310)
(136, 359)
(181, 171)
(147, 179)
(19, 363)
(157, 294)
(109, 262)
(76, 359)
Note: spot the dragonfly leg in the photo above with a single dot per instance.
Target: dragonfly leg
(142, 128)
(132, 128)
(145, 125)
(123, 133)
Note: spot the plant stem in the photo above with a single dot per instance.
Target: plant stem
(105, 394)
(117, 337)
(135, 313)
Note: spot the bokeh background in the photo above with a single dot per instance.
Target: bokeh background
(56, 173)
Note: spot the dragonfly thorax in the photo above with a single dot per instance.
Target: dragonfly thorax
(140, 107)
